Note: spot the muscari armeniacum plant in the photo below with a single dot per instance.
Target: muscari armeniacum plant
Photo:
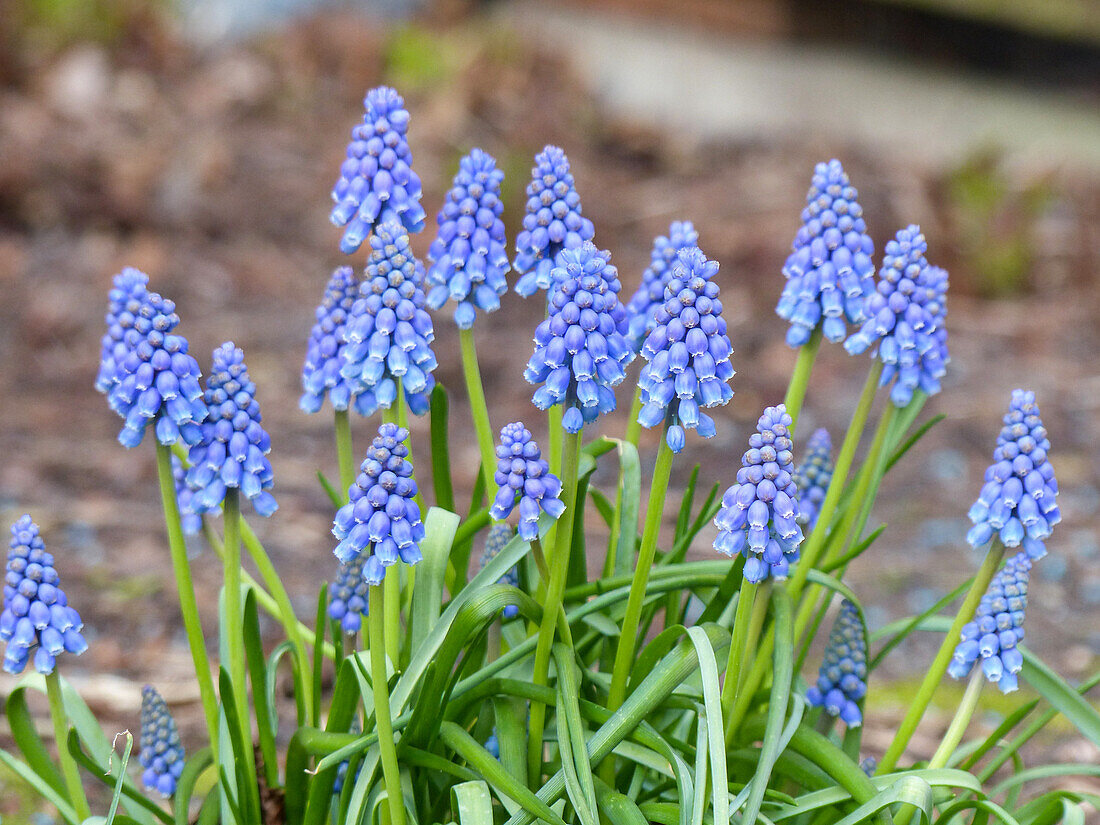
(162, 755)
(812, 477)
(841, 682)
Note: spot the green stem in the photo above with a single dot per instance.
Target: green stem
(959, 724)
(745, 599)
(554, 439)
(391, 771)
(61, 735)
(234, 640)
(633, 428)
(345, 453)
(478, 409)
(395, 414)
(633, 432)
(800, 378)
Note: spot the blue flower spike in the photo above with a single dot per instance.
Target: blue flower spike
(233, 451)
(468, 257)
(36, 616)
(997, 628)
(348, 595)
(321, 375)
(813, 476)
(190, 518)
(580, 351)
(123, 306)
(381, 519)
(377, 183)
(553, 222)
(759, 514)
(389, 332)
(650, 295)
(162, 754)
(687, 353)
(524, 476)
(830, 271)
(1018, 502)
(497, 539)
(842, 680)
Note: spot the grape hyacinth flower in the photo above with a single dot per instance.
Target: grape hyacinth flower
(687, 353)
(388, 331)
(468, 257)
(830, 271)
(377, 183)
(759, 514)
(325, 350)
(233, 451)
(997, 628)
(123, 306)
(36, 615)
(381, 519)
(347, 601)
(842, 680)
(523, 475)
(190, 520)
(553, 222)
(162, 754)
(812, 477)
(580, 351)
(650, 294)
(497, 540)
(1018, 502)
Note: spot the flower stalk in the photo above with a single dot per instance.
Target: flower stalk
(391, 771)
(479, 409)
(345, 452)
(69, 770)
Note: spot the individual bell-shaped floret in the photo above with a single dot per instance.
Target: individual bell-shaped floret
(123, 307)
(325, 351)
(842, 680)
(813, 476)
(650, 294)
(36, 617)
(190, 518)
(830, 271)
(524, 476)
(162, 755)
(377, 183)
(997, 628)
(687, 353)
(553, 221)
(468, 258)
(497, 539)
(233, 451)
(1018, 502)
(381, 519)
(348, 596)
(759, 514)
(389, 332)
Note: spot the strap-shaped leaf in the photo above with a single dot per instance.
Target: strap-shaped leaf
(473, 805)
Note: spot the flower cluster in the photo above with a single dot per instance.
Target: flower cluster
(997, 628)
(36, 614)
(1018, 502)
(162, 754)
(497, 539)
(580, 350)
(348, 596)
(829, 271)
(468, 257)
(842, 680)
(813, 476)
(553, 222)
(325, 350)
(759, 514)
(523, 474)
(650, 294)
(377, 182)
(381, 516)
(687, 353)
(123, 306)
(190, 518)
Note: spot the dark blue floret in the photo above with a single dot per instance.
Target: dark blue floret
(687, 353)
(349, 595)
(813, 476)
(842, 680)
(162, 754)
(325, 350)
(123, 306)
(524, 476)
(36, 617)
(650, 294)
(468, 257)
(759, 514)
(377, 183)
(190, 519)
(499, 536)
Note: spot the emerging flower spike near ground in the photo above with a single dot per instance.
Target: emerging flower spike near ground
(842, 680)
(650, 295)
(325, 350)
(759, 514)
(580, 351)
(523, 475)
(36, 615)
(377, 183)
(687, 353)
(813, 476)
(468, 257)
(234, 446)
(381, 519)
(997, 628)
(830, 271)
(347, 601)
(162, 754)
(123, 306)
(553, 221)
(497, 539)
(1018, 502)
(190, 520)
(389, 333)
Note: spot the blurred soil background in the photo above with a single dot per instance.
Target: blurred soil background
(201, 149)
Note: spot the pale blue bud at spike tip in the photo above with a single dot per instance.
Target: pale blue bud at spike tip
(123, 307)
(468, 257)
(553, 222)
(813, 476)
(497, 540)
(321, 375)
(650, 294)
(190, 519)
(342, 768)
(157, 379)
(997, 628)
(523, 476)
(36, 618)
(842, 680)
(233, 451)
(1019, 499)
(348, 596)
(830, 271)
(377, 183)
(389, 332)
(687, 353)
(580, 351)
(162, 755)
(381, 519)
(759, 514)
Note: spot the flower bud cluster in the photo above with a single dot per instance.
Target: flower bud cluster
(523, 475)
(123, 306)
(325, 350)
(162, 754)
(497, 539)
(813, 476)
(650, 294)
(842, 680)
(349, 596)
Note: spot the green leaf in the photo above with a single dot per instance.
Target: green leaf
(247, 786)
(30, 743)
(113, 810)
(628, 500)
(427, 597)
(900, 452)
(267, 720)
(332, 493)
(43, 788)
(714, 724)
(571, 739)
(1068, 701)
(192, 769)
(472, 802)
(440, 446)
(318, 652)
(129, 788)
(909, 790)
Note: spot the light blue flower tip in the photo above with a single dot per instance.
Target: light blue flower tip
(813, 476)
